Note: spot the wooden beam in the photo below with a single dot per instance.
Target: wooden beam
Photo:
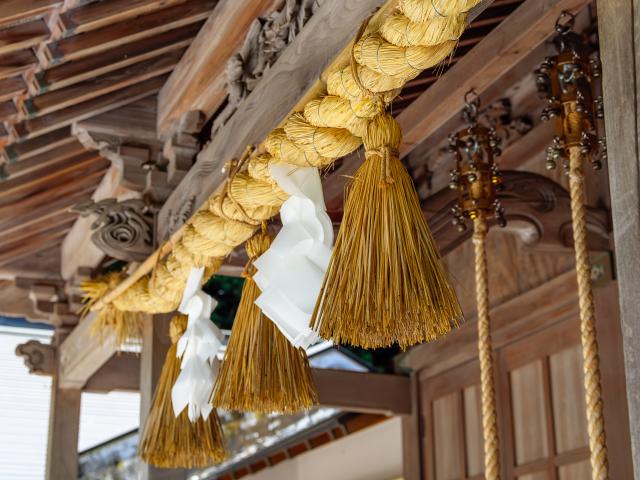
(12, 87)
(102, 14)
(31, 245)
(47, 123)
(64, 429)
(618, 22)
(198, 82)
(23, 35)
(121, 372)
(118, 34)
(15, 63)
(13, 10)
(30, 148)
(294, 74)
(82, 354)
(58, 202)
(364, 392)
(78, 166)
(9, 213)
(51, 156)
(61, 76)
(101, 85)
(529, 26)
(24, 231)
(8, 111)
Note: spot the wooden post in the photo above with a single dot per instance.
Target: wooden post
(618, 25)
(155, 343)
(412, 443)
(64, 426)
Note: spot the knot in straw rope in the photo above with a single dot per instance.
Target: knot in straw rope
(385, 153)
(177, 327)
(591, 358)
(489, 417)
(256, 246)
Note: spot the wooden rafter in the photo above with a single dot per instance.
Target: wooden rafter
(13, 10)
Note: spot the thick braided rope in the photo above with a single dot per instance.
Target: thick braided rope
(418, 36)
(489, 417)
(591, 358)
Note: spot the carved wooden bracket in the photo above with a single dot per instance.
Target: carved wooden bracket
(122, 230)
(39, 358)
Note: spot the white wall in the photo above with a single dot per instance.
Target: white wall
(371, 454)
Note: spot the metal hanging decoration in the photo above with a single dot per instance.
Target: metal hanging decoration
(477, 181)
(568, 81)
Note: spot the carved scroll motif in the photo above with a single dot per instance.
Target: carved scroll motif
(123, 230)
(266, 39)
(38, 357)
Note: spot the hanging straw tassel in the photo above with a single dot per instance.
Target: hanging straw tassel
(261, 371)
(489, 416)
(170, 442)
(590, 355)
(385, 283)
(125, 326)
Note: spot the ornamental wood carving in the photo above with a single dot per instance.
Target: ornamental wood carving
(122, 230)
(265, 40)
(38, 357)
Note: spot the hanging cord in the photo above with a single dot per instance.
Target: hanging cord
(591, 358)
(489, 417)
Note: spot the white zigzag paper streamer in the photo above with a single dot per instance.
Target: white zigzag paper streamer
(197, 347)
(291, 272)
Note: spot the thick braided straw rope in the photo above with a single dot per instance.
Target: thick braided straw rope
(489, 417)
(591, 359)
(418, 35)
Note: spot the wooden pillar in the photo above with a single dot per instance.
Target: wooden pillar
(64, 427)
(412, 443)
(619, 31)
(155, 343)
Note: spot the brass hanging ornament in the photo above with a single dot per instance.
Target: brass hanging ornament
(568, 81)
(477, 181)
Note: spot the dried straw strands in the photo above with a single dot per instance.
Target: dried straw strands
(387, 285)
(419, 34)
(170, 442)
(261, 371)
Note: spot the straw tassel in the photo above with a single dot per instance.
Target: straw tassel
(124, 325)
(174, 442)
(385, 283)
(261, 371)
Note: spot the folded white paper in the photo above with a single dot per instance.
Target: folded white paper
(198, 347)
(290, 273)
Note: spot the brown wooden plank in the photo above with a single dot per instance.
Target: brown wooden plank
(51, 156)
(60, 218)
(198, 82)
(18, 62)
(135, 120)
(17, 188)
(23, 35)
(618, 26)
(102, 85)
(29, 148)
(47, 123)
(101, 14)
(30, 245)
(8, 111)
(11, 87)
(13, 212)
(13, 10)
(363, 392)
(58, 202)
(121, 372)
(97, 41)
(529, 26)
(61, 76)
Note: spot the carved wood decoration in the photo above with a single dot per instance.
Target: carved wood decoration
(265, 40)
(39, 358)
(537, 209)
(122, 230)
